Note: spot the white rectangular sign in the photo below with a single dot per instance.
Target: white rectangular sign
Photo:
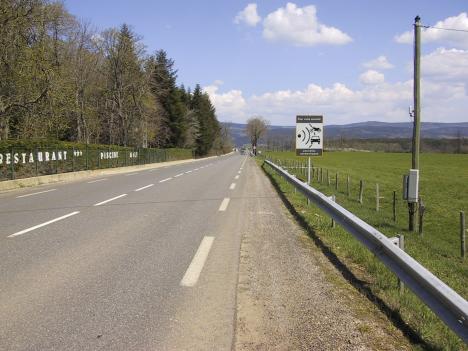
(309, 135)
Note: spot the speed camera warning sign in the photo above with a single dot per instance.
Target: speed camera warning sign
(309, 135)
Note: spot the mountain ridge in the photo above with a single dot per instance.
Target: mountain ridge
(362, 130)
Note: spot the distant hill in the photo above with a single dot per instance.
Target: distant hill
(363, 130)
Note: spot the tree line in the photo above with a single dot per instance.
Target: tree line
(61, 79)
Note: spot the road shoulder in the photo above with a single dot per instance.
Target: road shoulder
(290, 296)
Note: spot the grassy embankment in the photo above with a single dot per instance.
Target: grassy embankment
(444, 189)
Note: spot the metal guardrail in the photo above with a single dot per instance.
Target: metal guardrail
(439, 297)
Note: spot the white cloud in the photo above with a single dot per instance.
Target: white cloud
(441, 101)
(380, 62)
(301, 27)
(446, 64)
(371, 77)
(229, 105)
(248, 16)
(453, 38)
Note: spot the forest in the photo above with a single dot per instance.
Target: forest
(62, 79)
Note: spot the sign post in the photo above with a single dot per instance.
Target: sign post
(309, 138)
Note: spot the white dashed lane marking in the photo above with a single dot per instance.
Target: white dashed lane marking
(98, 180)
(196, 266)
(43, 224)
(224, 204)
(233, 186)
(165, 180)
(144, 187)
(40, 192)
(109, 200)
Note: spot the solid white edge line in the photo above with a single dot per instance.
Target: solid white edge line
(43, 224)
(131, 174)
(233, 186)
(196, 266)
(40, 192)
(224, 204)
(165, 180)
(109, 200)
(178, 175)
(144, 187)
(98, 180)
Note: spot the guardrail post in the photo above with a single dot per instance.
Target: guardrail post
(361, 190)
(462, 234)
(401, 245)
(333, 198)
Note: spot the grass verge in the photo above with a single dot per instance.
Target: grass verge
(365, 272)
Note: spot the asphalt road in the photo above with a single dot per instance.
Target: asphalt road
(135, 261)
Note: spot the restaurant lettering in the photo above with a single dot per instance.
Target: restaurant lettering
(31, 157)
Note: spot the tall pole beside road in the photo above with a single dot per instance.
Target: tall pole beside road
(417, 111)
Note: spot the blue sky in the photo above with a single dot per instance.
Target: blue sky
(267, 63)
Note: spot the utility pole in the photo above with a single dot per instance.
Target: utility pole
(412, 206)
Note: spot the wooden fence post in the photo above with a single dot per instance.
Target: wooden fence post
(347, 186)
(422, 209)
(377, 197)
(394, 206)
(361, 190)
(328, 178)
(462, 234)
(336, 181)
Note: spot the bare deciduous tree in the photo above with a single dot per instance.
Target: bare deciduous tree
(255, 129)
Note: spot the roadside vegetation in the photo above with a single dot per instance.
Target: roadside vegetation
(443, 188)
(31, 158)
(60, 78)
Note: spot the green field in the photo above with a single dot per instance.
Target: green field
(444, 190)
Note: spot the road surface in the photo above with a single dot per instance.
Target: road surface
(149, 260)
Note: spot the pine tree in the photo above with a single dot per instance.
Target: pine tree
(208, 124)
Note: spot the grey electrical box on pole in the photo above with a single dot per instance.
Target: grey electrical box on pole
(411, 186)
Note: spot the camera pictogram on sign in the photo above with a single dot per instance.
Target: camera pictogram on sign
(309, 135)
